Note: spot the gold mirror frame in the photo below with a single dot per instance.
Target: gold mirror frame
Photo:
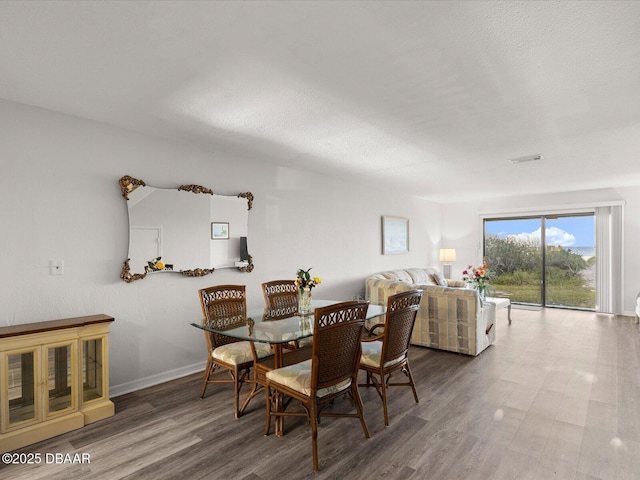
(128, 184)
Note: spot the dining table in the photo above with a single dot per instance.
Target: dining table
(281, 327)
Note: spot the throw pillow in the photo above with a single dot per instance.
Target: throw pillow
(420, 276)
(397, 276)
(439, 279)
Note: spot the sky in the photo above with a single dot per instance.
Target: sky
(578, 231)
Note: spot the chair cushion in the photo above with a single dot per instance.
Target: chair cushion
(298, 378)
(372, 354)
(240, 352)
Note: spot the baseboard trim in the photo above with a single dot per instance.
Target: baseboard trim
(135, 385)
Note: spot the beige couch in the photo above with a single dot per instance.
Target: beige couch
(450, 318)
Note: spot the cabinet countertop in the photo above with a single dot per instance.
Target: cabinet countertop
(47, 326)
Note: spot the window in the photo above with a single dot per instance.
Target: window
(546, 260)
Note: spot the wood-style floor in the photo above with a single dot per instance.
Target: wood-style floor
(557, 396)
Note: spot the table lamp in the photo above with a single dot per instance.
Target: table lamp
(447, 255)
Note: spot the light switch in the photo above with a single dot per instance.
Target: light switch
(57, 267)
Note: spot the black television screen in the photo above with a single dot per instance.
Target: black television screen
(244, 253)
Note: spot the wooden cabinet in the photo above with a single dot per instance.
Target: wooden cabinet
(54, 378)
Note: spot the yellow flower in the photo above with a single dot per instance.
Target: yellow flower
(317, 280)
(160, 265)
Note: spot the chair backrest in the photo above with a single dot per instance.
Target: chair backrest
(336, 343)
(402, 309)
(223, 307)
(279, 313)
(280, 293)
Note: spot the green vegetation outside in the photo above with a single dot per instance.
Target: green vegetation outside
(517, 267)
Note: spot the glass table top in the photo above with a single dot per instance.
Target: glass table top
(281, 325)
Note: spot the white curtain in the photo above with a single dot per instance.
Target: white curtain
(609, 259)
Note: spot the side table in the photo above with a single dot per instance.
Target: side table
(501, 303)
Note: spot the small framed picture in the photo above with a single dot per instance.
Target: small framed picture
(395, 235)
(219, 230)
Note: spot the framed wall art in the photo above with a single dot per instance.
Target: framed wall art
(395, 235)
(219, 230)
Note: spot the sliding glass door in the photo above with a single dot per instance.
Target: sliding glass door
(543, 260)
(513, 252)
(570, 262)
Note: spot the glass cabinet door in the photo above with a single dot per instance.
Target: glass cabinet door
(60, 378)
(92, 369)
(22, 382)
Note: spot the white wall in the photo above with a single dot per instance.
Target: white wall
(61, 200)
(462, 228)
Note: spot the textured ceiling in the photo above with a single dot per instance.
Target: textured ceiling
(431, 98)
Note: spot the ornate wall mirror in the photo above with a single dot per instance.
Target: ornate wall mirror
(189, 230)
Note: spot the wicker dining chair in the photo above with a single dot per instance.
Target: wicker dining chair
(331, 372)
(280, 293)
(388, 352)
(225, 307)
(283, 294)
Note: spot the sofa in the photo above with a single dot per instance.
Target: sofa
(451, 316)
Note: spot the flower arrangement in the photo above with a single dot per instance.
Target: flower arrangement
(155, 265)
(479, 276)
(304, 280)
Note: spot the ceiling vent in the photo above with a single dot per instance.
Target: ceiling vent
(528, 158)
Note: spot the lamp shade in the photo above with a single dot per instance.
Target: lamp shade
(447, 254)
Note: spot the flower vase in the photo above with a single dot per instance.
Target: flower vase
(304, 301)
(305, 325)
(482, 292)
